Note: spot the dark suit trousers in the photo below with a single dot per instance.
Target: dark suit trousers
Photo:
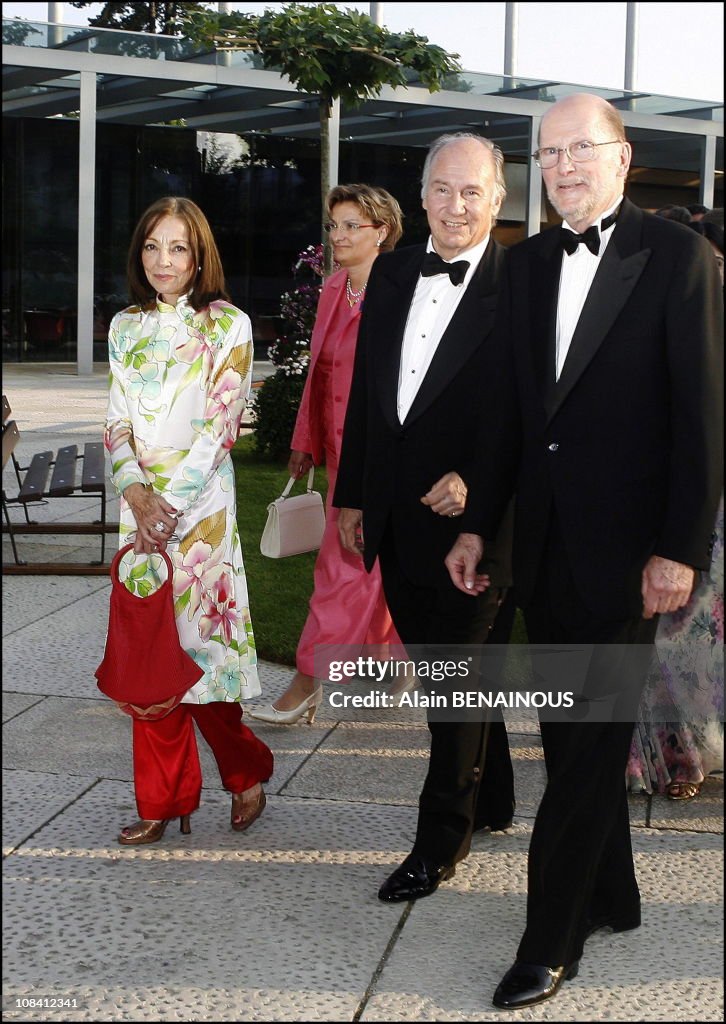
(469, 784)
(580, 857)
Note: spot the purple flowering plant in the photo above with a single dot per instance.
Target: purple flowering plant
(277, 401)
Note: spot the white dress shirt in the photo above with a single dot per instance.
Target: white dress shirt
(434, 303)
(576, 277)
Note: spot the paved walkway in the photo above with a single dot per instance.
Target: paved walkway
(282, 923)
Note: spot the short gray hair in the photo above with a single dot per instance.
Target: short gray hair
(500, 187)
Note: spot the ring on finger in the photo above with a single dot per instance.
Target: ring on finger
(159, 527)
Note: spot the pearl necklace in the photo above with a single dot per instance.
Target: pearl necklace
(353, 296)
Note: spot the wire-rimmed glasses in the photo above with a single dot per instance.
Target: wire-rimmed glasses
(578, 152)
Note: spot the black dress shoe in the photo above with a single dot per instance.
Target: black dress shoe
(497, 826)
(413, 879)
(616, 922)
(527, 984)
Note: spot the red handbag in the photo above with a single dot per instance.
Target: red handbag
(145, 670)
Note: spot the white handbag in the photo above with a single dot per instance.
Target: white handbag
(294, 525)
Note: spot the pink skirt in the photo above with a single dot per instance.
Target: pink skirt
(347, 608)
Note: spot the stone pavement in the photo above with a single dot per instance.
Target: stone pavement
(282, 923)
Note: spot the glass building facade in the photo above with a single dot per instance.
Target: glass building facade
(260, 189)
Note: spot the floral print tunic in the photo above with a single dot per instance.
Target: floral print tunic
(178, 387)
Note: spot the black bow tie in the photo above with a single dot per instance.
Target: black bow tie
(591, 237)
(433, 264)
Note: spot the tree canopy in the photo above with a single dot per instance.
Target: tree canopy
(327, 51)
(165, 18)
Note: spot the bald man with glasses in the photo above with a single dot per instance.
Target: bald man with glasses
(609, 413)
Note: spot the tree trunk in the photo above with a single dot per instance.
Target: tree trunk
(325, 181)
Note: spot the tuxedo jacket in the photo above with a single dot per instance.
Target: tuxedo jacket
(386, 466)
(626, 448)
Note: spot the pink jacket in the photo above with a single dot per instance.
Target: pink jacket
(308, 433)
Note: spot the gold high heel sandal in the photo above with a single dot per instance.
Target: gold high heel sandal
(150, 831)
(240, 824)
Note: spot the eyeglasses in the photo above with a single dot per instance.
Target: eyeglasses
(578, 153)
(348, 226)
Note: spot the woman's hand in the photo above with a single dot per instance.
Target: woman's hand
(299, 463)
(155, 518)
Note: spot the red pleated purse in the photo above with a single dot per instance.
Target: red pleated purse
(145, 670)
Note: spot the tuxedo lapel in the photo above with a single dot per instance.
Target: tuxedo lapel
(472, 321)
(395, 289)
(620, 268)
(546, 266)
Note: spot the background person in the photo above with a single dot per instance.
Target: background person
(181, 368)
(347, 606)
(421, 381)
(673, 753)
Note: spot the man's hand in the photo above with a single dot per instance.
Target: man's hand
(299, 463)
(350, 530)
(150, 511)
(447, 497)
(462, 561)
(666, 585)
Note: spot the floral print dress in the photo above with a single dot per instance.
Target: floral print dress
(178, 387)
(680, 735)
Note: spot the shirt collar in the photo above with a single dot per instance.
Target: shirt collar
(600, 219)
(182, 306)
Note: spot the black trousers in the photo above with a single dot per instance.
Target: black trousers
(580, 858)
(469, 784)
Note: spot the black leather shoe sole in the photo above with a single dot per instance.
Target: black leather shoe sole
(501, 826)
(393, 893)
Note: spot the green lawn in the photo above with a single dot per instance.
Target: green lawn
(279, 588)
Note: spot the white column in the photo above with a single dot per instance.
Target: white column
(631, 47)
(708, 171)
(376, 13)
(534, 185)
(511, 18)
(55, 17)
(86, 218)
(334, 141)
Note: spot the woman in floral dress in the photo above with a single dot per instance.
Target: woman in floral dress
(680, 737)
(181, 368)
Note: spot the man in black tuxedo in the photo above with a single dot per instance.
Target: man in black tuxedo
(610, 435)
(420, 382)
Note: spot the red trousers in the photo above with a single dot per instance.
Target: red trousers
(167, 773)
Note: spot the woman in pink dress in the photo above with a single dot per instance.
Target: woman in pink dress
(347, 606)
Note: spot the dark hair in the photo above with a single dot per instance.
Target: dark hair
(207, 282)
(711, 232)
(714, 216)
(377, 204)
(696, 208)
(677, 213)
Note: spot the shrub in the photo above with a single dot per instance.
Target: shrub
(277, 401)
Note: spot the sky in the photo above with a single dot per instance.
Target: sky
(680, 51)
